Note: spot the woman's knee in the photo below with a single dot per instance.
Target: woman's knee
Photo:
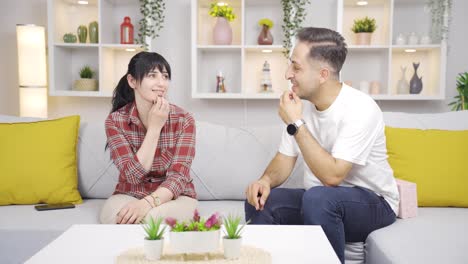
(112, 207)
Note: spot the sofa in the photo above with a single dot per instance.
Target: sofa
(227, 159)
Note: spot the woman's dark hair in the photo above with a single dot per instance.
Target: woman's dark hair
(139, 66)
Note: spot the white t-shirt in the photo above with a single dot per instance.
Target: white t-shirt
(351, 129)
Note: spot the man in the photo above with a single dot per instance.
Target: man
(349, 186)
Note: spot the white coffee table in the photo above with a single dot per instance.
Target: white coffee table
(102, 243)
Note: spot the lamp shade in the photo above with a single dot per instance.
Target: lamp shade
(32, 70)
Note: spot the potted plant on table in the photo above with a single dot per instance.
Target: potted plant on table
(364, 28)
(222, 31)
(154, 240)
(232, 241)
(265, 37)
(86, 83)
(197, 236)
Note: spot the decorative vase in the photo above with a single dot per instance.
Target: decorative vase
(222, 32)
(402, 84)
(93, 32)
(425, 40)
(374, 87)
(401, 40)
(69, 38)
(364, 87)
(265, 37)
(126, 31)
(232, 248)
(194, 241)
(416, 84)
(363, 38)
(413, 39)
(85, 85)
(153, 249)
(82, 33)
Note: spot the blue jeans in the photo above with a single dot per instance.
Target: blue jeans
(346, 214)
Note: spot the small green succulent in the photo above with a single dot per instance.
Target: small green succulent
(153, 228)
(364, 25)
(222, 10)
(231, 223)
(86, 72)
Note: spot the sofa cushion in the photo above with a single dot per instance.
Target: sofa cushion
(228, 159)
(38, 161)
(432, 159)
(436, 235)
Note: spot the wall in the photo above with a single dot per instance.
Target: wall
(174, 44)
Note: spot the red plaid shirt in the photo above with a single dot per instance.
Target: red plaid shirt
(172, 160)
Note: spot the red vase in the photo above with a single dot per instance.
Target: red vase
(126, 31)
(265, 37)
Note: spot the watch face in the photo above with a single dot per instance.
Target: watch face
(291, 129)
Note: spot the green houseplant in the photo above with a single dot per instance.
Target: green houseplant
(265, 37)
(152, 21)
(86, 81)
(294, 14)
(364, 28)
(461, 100)
(222, 31)
(196, 236)
(154, 240)
(232, 241)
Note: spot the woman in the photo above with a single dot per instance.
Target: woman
(152, 143)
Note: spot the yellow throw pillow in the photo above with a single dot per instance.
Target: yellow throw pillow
(433, 159)
(38, 162)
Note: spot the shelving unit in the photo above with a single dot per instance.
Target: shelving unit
(382, 60)
(242, 62)
(108, 58)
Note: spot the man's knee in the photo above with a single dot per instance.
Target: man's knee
(319, 200)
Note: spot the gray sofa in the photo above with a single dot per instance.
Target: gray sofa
(227, 160)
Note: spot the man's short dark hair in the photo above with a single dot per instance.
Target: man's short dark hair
(326, 45)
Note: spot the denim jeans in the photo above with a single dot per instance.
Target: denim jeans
(346, 214)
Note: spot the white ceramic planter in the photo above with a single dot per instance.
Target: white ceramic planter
(153, 249)
(232, 248)
(194, 242)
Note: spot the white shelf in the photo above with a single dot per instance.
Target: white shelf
(219, 47)
(77, 45)
(379, 61)
(259, 96)
(416, 47)
(80, 93)
(405, 97)
(368, 47)
(108, 58)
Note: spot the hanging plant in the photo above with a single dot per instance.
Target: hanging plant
(152, 21)
(440, 18)
(293, 16)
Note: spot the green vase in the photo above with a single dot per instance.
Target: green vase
(82, 33)
(69, 38)
(93, 32)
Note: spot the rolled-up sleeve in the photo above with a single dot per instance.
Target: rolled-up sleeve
(122, 155)
(178, 173)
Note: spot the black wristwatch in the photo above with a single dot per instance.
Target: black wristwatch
(294, 127)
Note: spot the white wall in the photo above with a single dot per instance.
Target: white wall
(174, 44)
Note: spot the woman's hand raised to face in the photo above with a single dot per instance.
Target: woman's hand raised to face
(158, 114)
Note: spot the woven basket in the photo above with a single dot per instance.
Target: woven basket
(85, 85)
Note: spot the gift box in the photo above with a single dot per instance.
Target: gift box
(408, 199)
